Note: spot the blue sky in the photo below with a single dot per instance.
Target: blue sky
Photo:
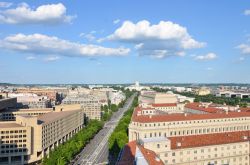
(114, 41)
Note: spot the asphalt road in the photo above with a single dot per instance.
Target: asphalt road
(96, 152)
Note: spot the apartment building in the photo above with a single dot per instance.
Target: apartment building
(29, 100)
(90, 105)
(50, 93)
(92, 110)
(6, 103)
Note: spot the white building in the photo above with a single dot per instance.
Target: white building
(137, 87)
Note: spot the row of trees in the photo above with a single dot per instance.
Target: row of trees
(119, 137)
(242, 102)
(66, 151)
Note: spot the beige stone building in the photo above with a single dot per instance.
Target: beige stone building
(92, 110)
(214, 137)
(157, 98)
(34, 134)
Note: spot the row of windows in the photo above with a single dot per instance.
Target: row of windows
(16, 131)
(14, 151)
(13, 136)
(13, 141)
(197, 131)
(213, 162)
(194, 152)
(192, 122)
(12, 146)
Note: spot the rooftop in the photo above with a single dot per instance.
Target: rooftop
(209, 139)
(184, 117)
(165, 105)
(129, 152)
(200, 107)
(9, 125)
(52, 116)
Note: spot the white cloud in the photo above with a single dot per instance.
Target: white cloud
(244, 48)
(206, 57)
(39, 44)
(30, 58)
(81, 34)
(5, 4)
(51, 58)
(116, 21)
(88, 36)
(209, 68)
(159, 40)
(44, 14)
(247, 12)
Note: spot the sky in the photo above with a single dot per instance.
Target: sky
(93, 41)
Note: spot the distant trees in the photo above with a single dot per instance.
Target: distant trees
(119, 137)
(66, 151)
(211, 98)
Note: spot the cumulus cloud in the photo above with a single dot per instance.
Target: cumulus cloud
(206, 57)
(247, 12)
(5, 4)
(159, 40)
(88, 36)
(39, 44)
(244, 48)
(44, 14)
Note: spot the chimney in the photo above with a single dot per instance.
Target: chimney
(178, 144)
(150, 116)
(185, 114)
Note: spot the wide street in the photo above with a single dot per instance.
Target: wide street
(96, 152)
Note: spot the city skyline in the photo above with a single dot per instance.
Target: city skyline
(49, 42)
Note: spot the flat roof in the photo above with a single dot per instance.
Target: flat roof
(27, 110)
(9, 125)
(52, 116)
